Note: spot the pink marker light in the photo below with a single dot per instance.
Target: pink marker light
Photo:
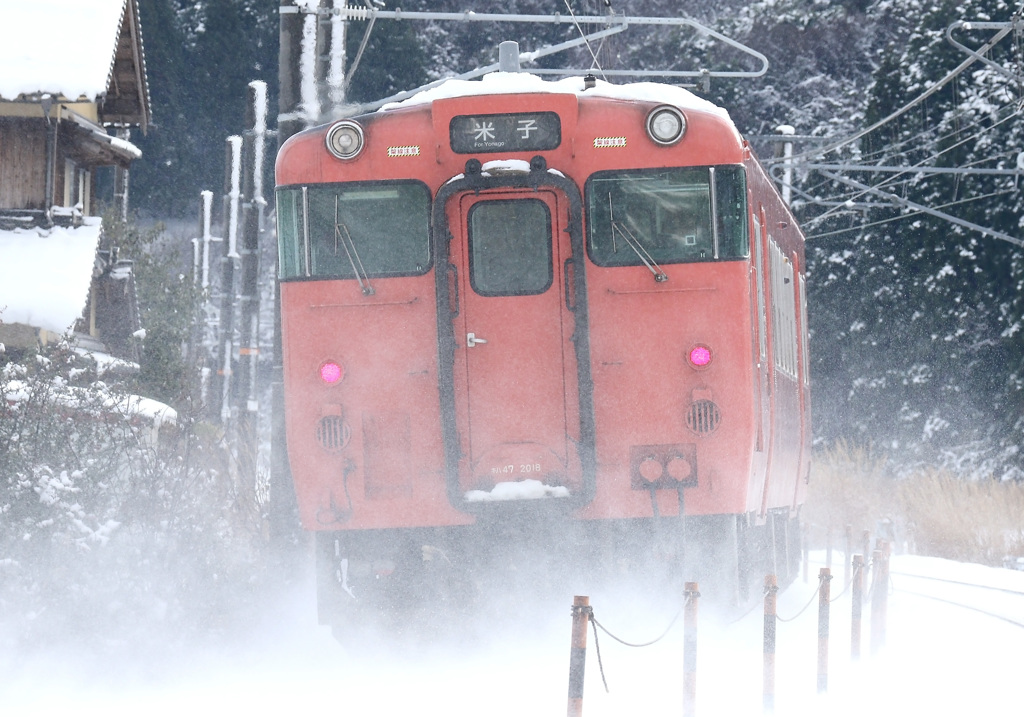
(331, 372)
(700, 356)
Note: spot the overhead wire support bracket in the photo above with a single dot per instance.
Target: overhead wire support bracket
(614, 23)
(1004, 30)
(1016, 24)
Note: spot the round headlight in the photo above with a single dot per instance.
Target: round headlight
(666, 125)
(345, 139)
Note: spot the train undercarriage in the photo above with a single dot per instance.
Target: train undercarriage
(387, 578)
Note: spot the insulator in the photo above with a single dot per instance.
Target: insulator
(353, 13)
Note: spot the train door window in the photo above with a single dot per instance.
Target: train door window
(355, 230)
(673, 215)
(510, 247)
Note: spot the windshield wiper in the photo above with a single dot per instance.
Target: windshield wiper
(342, 235)
(634, 244)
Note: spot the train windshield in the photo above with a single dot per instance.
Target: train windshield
(354, 230)
(667, 216)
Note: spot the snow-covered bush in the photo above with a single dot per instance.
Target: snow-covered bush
(117, 515)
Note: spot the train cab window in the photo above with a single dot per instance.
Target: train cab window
(674, 215)
(510, 247)
(290, 213)
(354, 230)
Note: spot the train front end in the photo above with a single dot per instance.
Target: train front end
(514, 309)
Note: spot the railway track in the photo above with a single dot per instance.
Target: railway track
(998, 602)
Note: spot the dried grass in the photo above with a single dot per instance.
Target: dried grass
(930, 512)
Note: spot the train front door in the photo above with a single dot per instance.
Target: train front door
(514, 373)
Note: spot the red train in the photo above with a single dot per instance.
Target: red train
(516, 310)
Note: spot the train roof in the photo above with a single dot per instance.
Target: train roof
(507, 83)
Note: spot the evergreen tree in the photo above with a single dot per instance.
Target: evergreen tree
(934, 362)
(200, 59)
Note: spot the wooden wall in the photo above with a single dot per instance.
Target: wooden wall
(22, 163)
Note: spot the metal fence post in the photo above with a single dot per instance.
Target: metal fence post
(858, 606)
(578, 654)
(771, 590)
(824, 592)
(846, 555)
(879, 596)
(803, 545)
(690, 650)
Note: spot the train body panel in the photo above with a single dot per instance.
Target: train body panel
(648, 393)
(369, 438)
(538, 304)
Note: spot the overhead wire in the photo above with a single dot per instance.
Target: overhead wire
(927, 135)
(1014, 110)
(889, 180)
(908, 215)
(817, 152)
(596, 64)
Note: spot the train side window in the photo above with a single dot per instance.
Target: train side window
(355, 230)
(510, 247)
(783, 311)
(731, 212)
(289, 231)
(804, 335)
(762, 319)
(671, 215)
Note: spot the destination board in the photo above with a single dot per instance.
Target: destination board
(519, 132)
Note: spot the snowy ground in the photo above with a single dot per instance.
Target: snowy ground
(939, 660)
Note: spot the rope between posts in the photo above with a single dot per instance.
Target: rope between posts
(597, 645)
(804, 608)
(856, 571)
(642, 644)
(751, 609)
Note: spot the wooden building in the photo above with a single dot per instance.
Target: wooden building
(58, 129)
(72, 86)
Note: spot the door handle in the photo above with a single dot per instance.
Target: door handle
(472, 340)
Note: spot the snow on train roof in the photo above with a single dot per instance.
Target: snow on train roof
(507, 83)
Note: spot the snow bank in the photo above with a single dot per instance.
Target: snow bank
(506, 83)
(45, 274)
(96, 399)
(64, 47)
(156, 413)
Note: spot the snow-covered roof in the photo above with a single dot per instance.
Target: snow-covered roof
(121, 147)
(45, 274)
(64, 47)
(505, 83)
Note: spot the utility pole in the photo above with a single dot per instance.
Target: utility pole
(292, 117)
(244, 397)
(221, 397)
